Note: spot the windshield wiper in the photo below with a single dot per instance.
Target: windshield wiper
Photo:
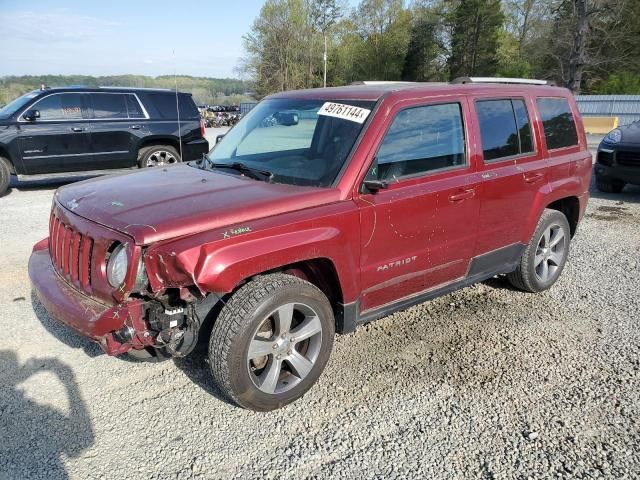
(252, 172)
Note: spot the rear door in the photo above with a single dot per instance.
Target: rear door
(58, 141)
(514, 169)
(418, 233)
(118, 122)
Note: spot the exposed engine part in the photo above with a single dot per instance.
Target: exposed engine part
(176, 328)
(124, 335)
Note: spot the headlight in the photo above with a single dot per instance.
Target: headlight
(614, 136)
(117, 266)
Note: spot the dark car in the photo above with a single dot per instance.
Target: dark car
(353, 203)
(90, 131)
(618, 160)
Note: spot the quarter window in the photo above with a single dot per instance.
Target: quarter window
(421, 139)
(558, 122)
(505, 128)
(62, 106)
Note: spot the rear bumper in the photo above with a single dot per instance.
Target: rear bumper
(194, 150)
(81, 313)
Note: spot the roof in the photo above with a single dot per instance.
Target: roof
(376, 91)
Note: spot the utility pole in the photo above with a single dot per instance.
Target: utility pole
(324, 34)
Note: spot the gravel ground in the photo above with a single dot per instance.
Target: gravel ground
(487, 382)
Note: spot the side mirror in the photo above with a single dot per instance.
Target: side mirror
(372, 186)
(287, 119)
(219, 138)
(32, 115)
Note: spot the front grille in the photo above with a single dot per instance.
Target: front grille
(605, 157)
(70, 253)
(628, 159)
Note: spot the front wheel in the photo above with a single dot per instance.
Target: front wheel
(271, 341)
(5, 176)
(609, 186)
(546, 254)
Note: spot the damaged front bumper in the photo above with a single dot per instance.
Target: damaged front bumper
(117, 328)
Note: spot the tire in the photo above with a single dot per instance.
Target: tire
(288, 366)
(157, 156)
(609, 186)
(545, 247)
(5, 175)
(146, 355)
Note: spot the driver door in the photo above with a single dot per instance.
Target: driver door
(419, 233)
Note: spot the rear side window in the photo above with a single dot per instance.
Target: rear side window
(61, 106)
(109, 105)
(558, 123)
(133, 107)
(115, 106)
(422, 139)
(505, 128)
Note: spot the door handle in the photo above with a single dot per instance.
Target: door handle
(464, 195)
(135, 127)
(534, 177)
(78, 129)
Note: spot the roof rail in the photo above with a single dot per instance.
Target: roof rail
(522, 81)
(378, 82)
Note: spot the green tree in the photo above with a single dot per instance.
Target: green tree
(425, 59)
(475, 27)
(383, 26)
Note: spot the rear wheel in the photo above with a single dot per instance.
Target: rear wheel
(271, 341)
(609, 186)
(5, 175)
(544, 258)
(158, 156)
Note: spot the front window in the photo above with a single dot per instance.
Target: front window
(299, 141)
(17, 104)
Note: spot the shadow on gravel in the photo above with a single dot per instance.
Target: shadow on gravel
(34, 436)
(501, 282)
(62, 332)
(196, 368)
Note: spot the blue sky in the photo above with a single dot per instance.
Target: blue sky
(110, 37)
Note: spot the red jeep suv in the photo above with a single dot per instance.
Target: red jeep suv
(321, 210)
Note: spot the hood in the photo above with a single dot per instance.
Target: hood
(161, 203)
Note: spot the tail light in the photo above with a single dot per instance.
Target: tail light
(202, 130)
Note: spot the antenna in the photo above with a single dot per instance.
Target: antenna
(175, 78)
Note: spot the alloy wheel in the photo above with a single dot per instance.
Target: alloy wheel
(161, 157)
(550, 253)
(284, 348)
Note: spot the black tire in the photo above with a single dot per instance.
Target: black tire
(529, 276)
(241, 322)
(147, 355)
(5, 175)
(158, 155)
(609, 186)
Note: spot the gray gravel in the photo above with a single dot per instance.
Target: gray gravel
(483, 383)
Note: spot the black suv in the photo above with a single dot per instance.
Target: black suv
(90, 131)
(618, 161)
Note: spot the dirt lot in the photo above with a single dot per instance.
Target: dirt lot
(487, 382)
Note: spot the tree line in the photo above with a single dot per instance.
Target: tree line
(205, 90)
(589, 46)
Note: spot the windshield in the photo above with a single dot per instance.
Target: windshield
(300, 142)
(17, 104)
